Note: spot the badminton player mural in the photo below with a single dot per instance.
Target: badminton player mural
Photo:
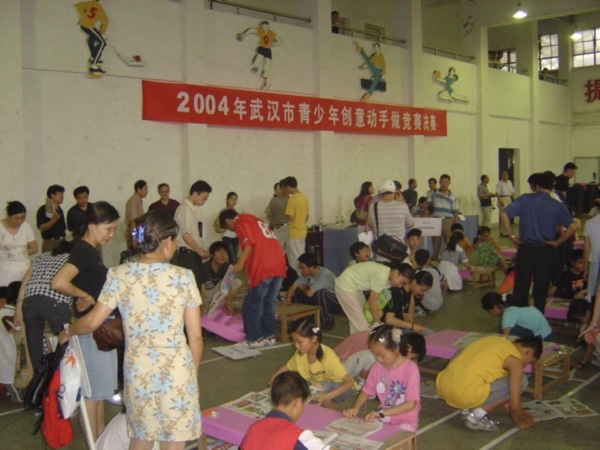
(267, 39)
(448, 93)
(376, 65)
(93, 21)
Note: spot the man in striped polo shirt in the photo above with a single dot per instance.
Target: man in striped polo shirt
(445, 206)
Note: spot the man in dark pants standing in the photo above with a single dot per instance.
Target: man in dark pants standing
(539, 215)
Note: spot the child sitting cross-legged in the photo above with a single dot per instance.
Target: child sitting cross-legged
(277, 431)
(517, 320)
(359, 361)
(432, 299)
(317, 363)
(487, 251)
(413, 239)
(452, 259)
(393, 378)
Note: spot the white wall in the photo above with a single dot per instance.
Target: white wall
(57, 126)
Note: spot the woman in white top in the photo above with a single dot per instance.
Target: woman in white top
(17, 242)
(452, 259)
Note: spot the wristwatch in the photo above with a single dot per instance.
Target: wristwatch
(382, 416)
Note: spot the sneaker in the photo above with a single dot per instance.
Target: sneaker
(271, 340)
(96, 70)
(464, 413)
(15, 397)
(256, 344)
(483, 424)
(328, 322)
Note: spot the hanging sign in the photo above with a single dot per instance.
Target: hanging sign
(187, 103)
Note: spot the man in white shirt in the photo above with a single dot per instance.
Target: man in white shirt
(190, 252)
(505, 192)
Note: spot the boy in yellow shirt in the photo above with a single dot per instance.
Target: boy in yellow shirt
(487, 374)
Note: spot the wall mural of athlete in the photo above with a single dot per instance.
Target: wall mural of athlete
(90, 14)
(448, 93)
(376, 65)
(267, 39)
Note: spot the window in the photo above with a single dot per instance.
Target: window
(548, 52)
(586, 50)
(508, 60)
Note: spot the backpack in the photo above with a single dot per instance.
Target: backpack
(57, 431)
(41, 378)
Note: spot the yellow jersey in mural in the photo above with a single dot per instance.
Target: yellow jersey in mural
(91, 13)
(265, 37)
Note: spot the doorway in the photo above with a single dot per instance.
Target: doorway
(506, 161)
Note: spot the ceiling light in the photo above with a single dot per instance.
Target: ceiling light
(576, 35)
(520, 13)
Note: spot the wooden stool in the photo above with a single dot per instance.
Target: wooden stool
(292, 312)
(562, 356)
(476, 275)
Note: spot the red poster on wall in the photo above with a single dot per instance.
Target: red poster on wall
(187, 103)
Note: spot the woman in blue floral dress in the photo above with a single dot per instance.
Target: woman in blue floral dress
(156, 301)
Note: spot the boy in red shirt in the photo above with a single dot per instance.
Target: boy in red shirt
(265, 269)
(277, 431)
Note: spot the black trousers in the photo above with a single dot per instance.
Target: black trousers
(190, 260)
(324, 299)
(37, 310)
(535, 261)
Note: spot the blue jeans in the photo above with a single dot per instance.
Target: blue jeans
(258, 309)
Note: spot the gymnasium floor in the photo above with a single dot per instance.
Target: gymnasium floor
(440, 427)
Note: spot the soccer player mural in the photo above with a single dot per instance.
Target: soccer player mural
(267, 39)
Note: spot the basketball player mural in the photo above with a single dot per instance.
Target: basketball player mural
(267, 39)
(90, 14)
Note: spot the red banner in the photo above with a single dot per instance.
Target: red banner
(176, 102)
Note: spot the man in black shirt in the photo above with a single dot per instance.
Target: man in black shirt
(51, 219)
(561, 184)
(77, 212)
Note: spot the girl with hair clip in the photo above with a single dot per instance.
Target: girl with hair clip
(318, 364)
(156, 300)
(82, 278)
(393, 378)
(451, 259)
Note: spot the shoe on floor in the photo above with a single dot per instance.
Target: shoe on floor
(15, 397)
(328, 322)
(483, 424)
(256, 344)
(271, 340)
